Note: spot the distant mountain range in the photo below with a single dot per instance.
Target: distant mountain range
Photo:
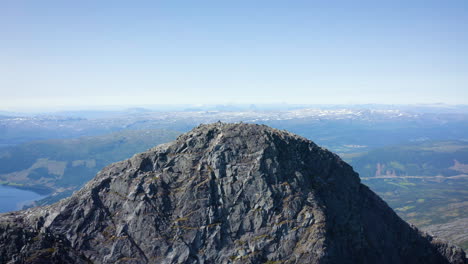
(340, 129)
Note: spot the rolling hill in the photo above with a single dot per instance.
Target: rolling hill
(66, 164)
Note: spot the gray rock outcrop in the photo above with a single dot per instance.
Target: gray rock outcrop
(222, 193)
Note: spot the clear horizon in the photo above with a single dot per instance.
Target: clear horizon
(86, 54)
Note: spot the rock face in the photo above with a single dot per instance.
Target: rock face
(222, 193)
(454, 231)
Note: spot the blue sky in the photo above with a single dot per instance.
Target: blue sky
(88, 53)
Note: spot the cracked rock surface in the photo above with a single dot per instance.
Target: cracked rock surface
(222, 193)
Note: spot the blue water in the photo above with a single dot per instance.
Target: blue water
(12, 199)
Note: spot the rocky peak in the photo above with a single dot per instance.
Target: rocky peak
(222, 193)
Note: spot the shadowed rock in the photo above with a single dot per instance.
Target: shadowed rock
(222, 193)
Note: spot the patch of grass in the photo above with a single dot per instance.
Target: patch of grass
(405, 208)
(126, 259)
(396, 184)
(114, 238)
(285, 222)
(119, 195)
(15, 184)
(397, 165)
(295, 228)
(407, 183)
(240, 242)
(213, 225)
(186, 227)
(203, 182)
(49, 250)
(265, 236)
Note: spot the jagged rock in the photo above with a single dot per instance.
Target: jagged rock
(222, 193)
(454, 231)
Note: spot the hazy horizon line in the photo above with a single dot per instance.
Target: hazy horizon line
(213, 106)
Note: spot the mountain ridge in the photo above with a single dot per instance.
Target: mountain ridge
(222, 193)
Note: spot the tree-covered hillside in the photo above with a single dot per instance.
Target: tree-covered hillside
(68, 163)
(432, 158)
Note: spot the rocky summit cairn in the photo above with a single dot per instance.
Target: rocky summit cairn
(222, 193)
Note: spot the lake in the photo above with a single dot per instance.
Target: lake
(12, 199)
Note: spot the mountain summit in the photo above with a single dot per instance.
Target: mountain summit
(222, 193)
